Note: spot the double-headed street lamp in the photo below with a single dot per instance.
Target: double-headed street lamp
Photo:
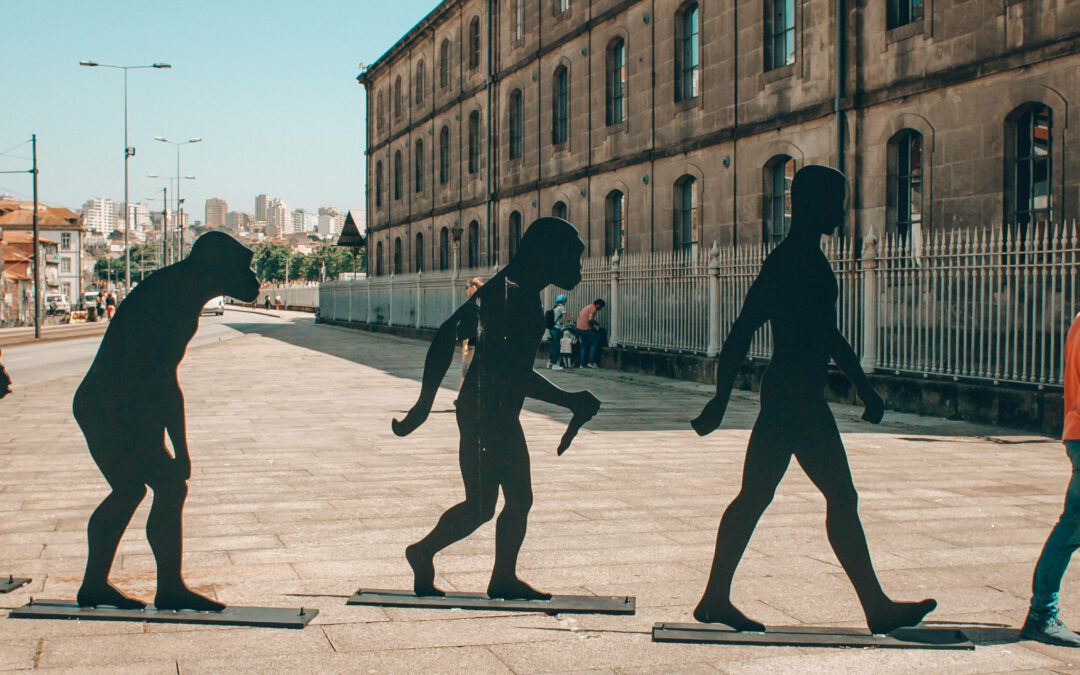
(128, 152)
(179, 201)
(180, 216)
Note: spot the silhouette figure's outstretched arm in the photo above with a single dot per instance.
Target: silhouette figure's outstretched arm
(439, 356)
(176, 425)
(755, 311)
(583, 404)
(848, 362)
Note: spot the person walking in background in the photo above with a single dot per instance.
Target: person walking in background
(277, 301)
(266, 302)
(110, 305)
(469, 328)
(99, 304)
(588, 333)
(1042, 622)
(553, 319)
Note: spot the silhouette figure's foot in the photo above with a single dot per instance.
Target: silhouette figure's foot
(898, 615)
(106, 596)
(423, 568)
(514, 589)
(724, 612)
(185, 598)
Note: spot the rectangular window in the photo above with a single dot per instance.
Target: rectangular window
(517, 20)
(560, 106)
(688, 55)
(903, 12)
(780, 34)
(616, 82)
(515, 125)
(65, 241)
(65, 265)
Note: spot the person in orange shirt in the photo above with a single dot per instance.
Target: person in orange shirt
(1042, 622)
(588, 332)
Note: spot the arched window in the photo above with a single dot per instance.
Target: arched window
(515, 233)
(380, 111)
(776, 220)
(474, 141)
(474, 244)
(558, 210)
(902, 12)
(418, 165)
(397, 175)
(688, 52)
(397, 98)
(1029, 178)
(779, 33)
(517, 20)
(444, 155)
(378, 184)
(444, 63)
(614, 222)
(614, 95)
(379, 260)
(397, 255)
(474, 43)
(904, 181)
(420, 83)
(515, 124)
(687, 218)
(419, 252)
(444, 249)
(560, 106)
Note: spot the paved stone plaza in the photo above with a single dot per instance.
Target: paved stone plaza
(300, 494)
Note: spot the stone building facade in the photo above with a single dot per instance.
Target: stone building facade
(669, 124)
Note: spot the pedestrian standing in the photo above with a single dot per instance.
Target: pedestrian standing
(566, 349)
(588, 333)
(110, 305)
(277, 301)
(1042, 621)
(553, 319)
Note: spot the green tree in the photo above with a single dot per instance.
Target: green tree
(270, 262)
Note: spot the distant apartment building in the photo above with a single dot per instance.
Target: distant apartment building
(215, 213)
(262, 207)
(101, 215)
(663, 125)
(62, 231)
(278, 218)
(330, 222)
(239, 221)
(140, 218)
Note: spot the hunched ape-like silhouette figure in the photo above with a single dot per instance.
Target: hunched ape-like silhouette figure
(5, 382)
(492, 451)
(796, 291)
(133, 377)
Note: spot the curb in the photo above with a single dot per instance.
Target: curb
(53, 335)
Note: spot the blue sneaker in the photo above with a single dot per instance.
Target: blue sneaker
(1049, 630)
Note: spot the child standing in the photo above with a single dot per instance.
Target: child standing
(566, 349)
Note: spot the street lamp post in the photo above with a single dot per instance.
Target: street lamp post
(179, 201)
(164, 223)
(128, 152)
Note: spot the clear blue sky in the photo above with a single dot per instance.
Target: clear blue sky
(269, 86)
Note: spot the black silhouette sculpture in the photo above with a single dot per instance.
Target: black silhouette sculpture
(133, 376)
(5, 382)
(11, 583)
(796, 291)
(492, 451)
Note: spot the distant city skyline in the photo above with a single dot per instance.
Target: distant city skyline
(270, 90)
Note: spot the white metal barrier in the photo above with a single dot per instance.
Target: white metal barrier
(965, 304)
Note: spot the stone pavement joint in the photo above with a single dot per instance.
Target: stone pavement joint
(301, 493)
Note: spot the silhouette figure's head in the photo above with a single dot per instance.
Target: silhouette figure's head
(818, 195)
(549, 253)
(5, 382)
(224, 266)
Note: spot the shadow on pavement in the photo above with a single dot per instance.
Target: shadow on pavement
(658, 404)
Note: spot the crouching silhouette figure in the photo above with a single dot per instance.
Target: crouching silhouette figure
(134, 377)
(796, 291)
(492, 451)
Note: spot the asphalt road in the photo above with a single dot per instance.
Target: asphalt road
(50, 360)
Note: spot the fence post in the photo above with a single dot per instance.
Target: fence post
(714, 301)
(349, 290)
(870, 303)
(613, 334)
(367, 286)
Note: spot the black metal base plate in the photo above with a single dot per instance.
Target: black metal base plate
(263, 617)
(813, 636)
(558, 604)
(11, 583)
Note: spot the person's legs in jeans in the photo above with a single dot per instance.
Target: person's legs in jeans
(1063, 541)
(553, 355)
(584, 345)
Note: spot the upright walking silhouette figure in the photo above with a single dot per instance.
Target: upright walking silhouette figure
(492, 451)
(796, 291)
(128, 401)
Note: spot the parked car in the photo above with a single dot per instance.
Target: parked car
(215, 306)
(56, 303)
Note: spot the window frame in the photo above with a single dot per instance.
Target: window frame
(418, 252)
(474, 43)
(421, 76)
(474, 244)
(779, 172)
(775, 36)
(444, 248)
(514, 127)
(444, 155)
(560, 105)
(1032, 213)
(687, 206)
(397, 98)
(514, 233)
(615, 82)
(899, 13)
(614, 213)
(517, 21)
(418, 166)
(474, 142)
(688, 69)
(397, 176)
(444, 63)
(378, 184)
